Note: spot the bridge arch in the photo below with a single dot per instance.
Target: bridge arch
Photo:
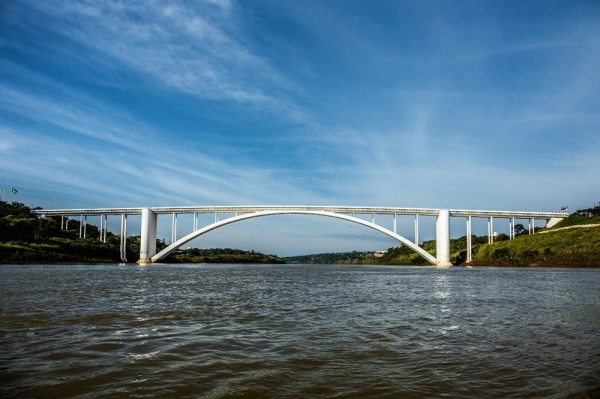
(174, 246)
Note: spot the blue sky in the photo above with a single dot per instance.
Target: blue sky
(441, 104)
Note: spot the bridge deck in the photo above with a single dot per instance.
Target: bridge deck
(336, 209)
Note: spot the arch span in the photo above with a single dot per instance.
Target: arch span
(165, 252)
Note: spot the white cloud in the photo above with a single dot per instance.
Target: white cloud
(186, 47)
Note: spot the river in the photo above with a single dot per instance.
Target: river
(290, 331)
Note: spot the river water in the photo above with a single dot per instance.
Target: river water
(289, 331)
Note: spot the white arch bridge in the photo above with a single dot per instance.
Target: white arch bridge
(235, 214)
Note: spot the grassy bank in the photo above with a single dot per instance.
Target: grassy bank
(576, 247)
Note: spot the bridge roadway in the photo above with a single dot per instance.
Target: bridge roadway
(149, 221)
(336, 209)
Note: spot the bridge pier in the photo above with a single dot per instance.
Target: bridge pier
(147, 236)
(469, 240)
(442, 238)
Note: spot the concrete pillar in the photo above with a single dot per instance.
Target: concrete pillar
(442, 238)
(174, 229)
(124, 238)
(148, 236)
(417, 229)
(512, 228)
(105, 217)
(469, 240)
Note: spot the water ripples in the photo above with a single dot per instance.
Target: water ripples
(292, 331)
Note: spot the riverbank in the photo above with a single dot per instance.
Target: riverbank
(562, 247)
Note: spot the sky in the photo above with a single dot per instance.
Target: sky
(430, 104)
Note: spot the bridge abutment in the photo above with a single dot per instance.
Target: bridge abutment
(442, 238)
(147, 236)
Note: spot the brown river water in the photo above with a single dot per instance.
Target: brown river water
(292, 331)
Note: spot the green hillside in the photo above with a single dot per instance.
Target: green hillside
(562, 245)
(27, 238)
(575, 247)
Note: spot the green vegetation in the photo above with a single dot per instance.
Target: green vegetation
(571, 247)
(329, 258)
(394, 256)
(406, 256)
(577, 247)
(221, 255)
(27, 238)
(575, 220)
(561, 245)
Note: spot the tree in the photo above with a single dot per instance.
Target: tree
(519, 229)
(501, 237)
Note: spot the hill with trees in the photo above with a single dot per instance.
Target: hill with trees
(573, 242)
(221, 255)
(354, 257)
(27, 238)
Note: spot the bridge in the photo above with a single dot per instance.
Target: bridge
(235, 214)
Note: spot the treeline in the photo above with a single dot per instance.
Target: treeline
(577, 247)
(573, 242)
(354, 257)
(592, 212)
(221, 255)
(402, 255)
(568, 248)
(25, 238)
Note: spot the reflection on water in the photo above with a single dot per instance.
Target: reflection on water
(293, 331)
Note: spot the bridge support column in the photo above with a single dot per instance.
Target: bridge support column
(417, 229)
(148, 236)
(469, 240)
(442, 238)
(123, 238)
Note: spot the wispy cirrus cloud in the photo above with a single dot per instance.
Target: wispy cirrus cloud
(193, 48)
(82, 143)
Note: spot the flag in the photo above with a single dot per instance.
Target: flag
(14, 191)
